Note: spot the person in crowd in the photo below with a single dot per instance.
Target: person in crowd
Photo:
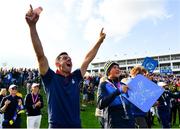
(8, 78)
(30, 79)
(34, 104)
(139, 115)
(91, 93)
(175, 106)
(153, 110)
(1, 81)
(84, 93)
(116, 109)
(3, 93)
(163, 105)
(100, 117)
(151, 116)
(61, 87)
(11, 105)
(98, 112)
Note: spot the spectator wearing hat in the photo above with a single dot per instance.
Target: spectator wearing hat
(61, 87)
(163, 105)
(10, 106)
(34, 104)
(175, 106)
(116, 109)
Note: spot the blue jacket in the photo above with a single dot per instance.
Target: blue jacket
(109, 100)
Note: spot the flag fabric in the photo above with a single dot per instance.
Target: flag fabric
(166, 70)
(143, 93)
(150, 64)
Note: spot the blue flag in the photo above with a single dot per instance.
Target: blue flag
(143, 93)
(150, 64)
(166, 70)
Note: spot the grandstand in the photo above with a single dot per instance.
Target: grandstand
(169, 63)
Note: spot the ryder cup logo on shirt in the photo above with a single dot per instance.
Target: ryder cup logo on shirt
(73, 81)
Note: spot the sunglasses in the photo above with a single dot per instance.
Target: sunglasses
(65, 57)
(14, 88)
(36, 86)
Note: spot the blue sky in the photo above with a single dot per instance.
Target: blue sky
(134, 28)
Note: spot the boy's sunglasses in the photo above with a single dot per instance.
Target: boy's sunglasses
(14, 88)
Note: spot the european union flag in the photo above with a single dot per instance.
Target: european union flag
(143, 93)
(150, 64)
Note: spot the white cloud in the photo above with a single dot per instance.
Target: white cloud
(86, 8)
(120, 16)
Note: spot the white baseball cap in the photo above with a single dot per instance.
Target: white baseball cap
(162, 84)
(12, 86)
(34, 85)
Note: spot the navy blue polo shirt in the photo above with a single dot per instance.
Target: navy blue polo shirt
(63, 97)
(12, 107)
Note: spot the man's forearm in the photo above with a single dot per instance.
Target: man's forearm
(90, 56)
(42, 60)
(36, 43)
(92, 53)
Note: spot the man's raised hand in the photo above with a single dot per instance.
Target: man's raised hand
(102, 36)
(31, 16)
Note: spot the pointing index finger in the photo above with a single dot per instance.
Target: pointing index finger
(102, 30)
(31, 8)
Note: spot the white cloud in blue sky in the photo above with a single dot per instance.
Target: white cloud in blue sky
(134, 28)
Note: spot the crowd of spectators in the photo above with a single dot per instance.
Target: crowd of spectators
(18, 76)
(90, 84)
(25, 77)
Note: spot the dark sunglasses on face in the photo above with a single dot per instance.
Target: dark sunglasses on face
(14, 88)
(65, 57)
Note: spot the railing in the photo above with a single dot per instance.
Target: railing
(175, 58)
(122, 63)
(176, 67)
(164, 59)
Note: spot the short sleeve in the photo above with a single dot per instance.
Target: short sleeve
(48, 77)
(78, 75)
